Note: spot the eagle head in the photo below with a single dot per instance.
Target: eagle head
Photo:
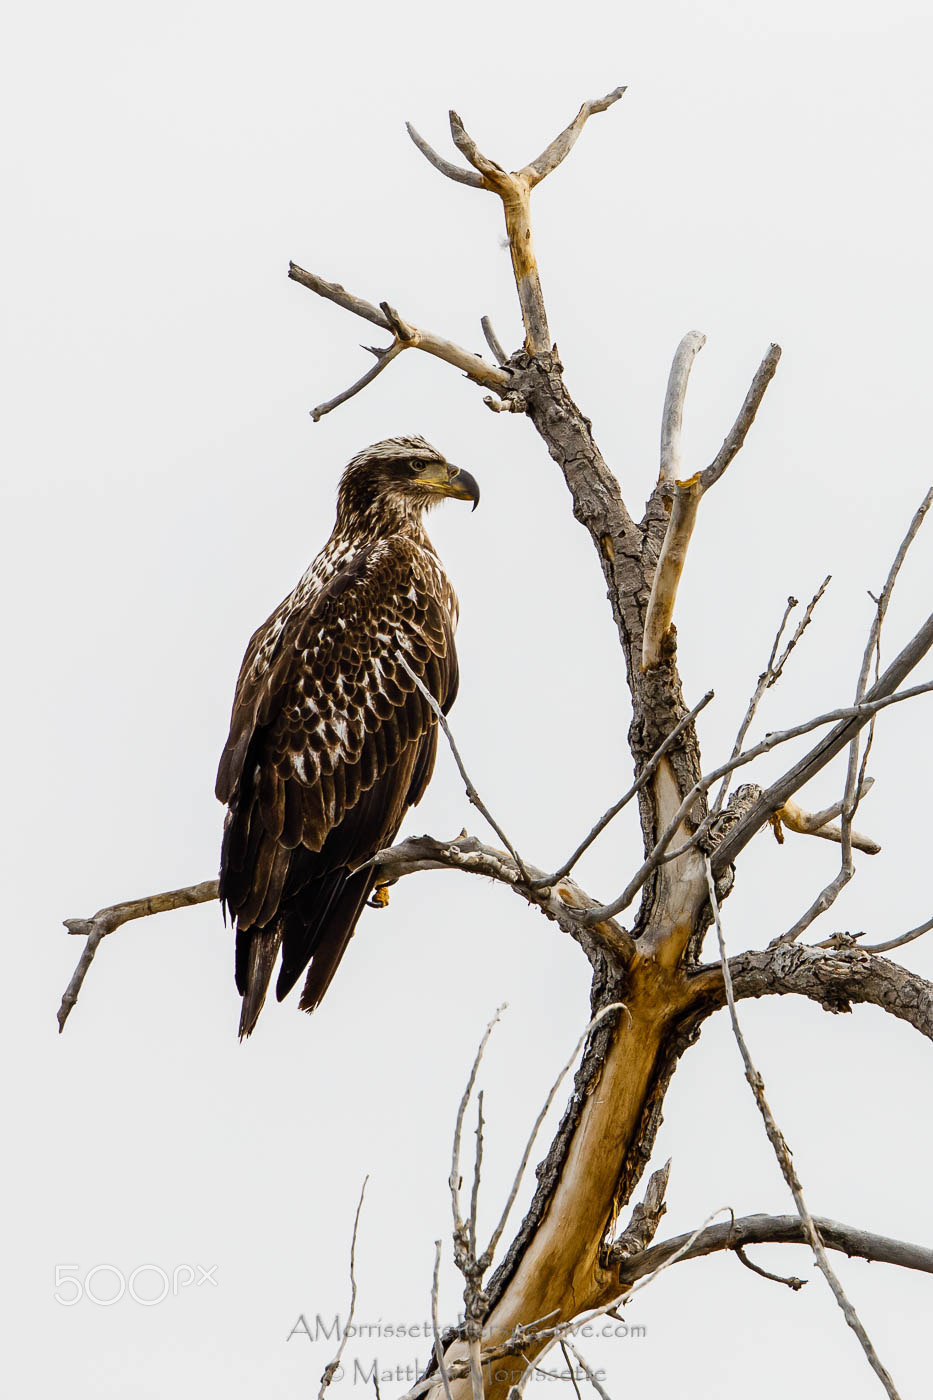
(402, 475)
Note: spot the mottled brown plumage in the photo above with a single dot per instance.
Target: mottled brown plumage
(330, 740)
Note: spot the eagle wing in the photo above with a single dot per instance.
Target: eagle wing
(330, 743)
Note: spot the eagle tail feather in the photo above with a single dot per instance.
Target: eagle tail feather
(257, 949)
(318, 929)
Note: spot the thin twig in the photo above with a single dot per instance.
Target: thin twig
(855, 772)
(455, 1177)
(573, 1379)
(844, 716)
(386, 357)
(739, 430)
(770, 675)
(827, 748)
(783, 1155)
(471, 792)
(646, 773)
(795, 1284)
(106, 920)
(331, 1368)
(589, 1373)
(895, 942)
(477, 1172)
(487, 1255)
(438, 1349)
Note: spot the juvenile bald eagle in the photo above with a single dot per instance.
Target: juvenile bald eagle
(330, 740)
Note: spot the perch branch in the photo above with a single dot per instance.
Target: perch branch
(564, 902)
(110, 918)
(687, 494)
(783, 1154)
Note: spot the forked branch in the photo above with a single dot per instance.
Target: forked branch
(106, 920)
(688, 494)
(407, 337)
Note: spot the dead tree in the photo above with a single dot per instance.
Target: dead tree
(650, 991)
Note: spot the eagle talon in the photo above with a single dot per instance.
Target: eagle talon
(380, 897)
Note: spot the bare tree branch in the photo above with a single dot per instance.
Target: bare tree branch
(492, 340)
(673, 415)
(807, 767)
(590, 1374)
(688, 494)
(643, 777)
(844, 718)
(473, 366)
(770, 675)
(821, 823)
(446, 167)
(438, 1349)
(899, 941)
(793, 1283)
(564, 901)
(739, 430)
(646, 1217)
(111, 917)
(386, 356)
(780, 1229)
(855, 773)
(783, 1155)
(330, 1370)
(454, 1179)
(471, 792)
(551, 157)
(836, 979)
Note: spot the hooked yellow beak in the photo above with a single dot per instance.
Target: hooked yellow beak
(447, 480)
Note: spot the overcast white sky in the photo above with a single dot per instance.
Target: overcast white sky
(765, 178)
